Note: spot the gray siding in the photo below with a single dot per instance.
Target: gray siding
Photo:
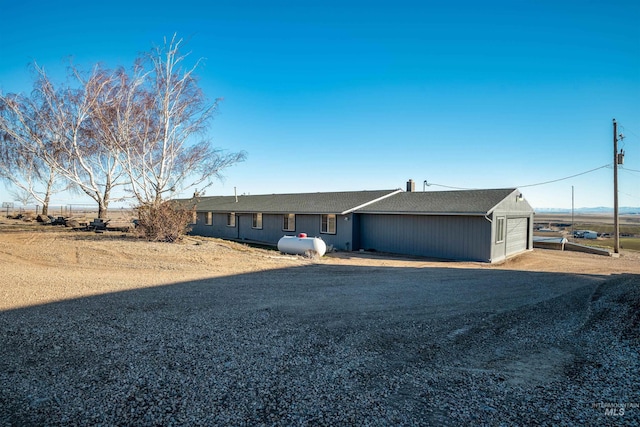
(511, 208)
(452, 225)
(438, 236)
(510, 245)
(343, 239)
(272, 230)
(310, 224)
(219, 227)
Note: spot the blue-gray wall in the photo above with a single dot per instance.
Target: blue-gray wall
(217, 229)
(438, 236)
(272, 231)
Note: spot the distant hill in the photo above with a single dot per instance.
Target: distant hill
(626, 210)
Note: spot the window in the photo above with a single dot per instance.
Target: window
(194, 217)
(500, 229)
(328, 224)
(209, 218)
(257, 220)
(231, 219)
(289, 222)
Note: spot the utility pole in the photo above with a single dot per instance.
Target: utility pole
(572, 207)
(616, 225)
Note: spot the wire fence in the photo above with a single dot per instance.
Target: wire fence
(69, 210)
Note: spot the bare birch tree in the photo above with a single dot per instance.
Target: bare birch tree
(166, 118)
(145, 130)
(87, 159)
(27, 153)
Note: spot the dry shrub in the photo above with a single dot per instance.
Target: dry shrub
(164, 221)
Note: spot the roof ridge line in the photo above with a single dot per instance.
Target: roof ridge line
(348, 211)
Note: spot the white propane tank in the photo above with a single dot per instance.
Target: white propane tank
(302, 245)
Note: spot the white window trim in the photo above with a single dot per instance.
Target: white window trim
(500, 230)
(256, 221)
(335, 224)
(232, 216)
(208, 219)
(291, 219)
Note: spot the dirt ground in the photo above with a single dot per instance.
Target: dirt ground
(113, 330)
(40, 264)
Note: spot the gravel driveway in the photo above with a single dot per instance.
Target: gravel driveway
(332, 345)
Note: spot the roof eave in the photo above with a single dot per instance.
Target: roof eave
(427, 213)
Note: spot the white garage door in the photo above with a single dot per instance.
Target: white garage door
(516, 235)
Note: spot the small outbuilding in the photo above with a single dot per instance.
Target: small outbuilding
(473, 225)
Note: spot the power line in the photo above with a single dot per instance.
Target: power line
(528, 185)
(623, 129)
(562, 179)
(629, 195)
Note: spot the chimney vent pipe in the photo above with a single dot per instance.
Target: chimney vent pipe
(411, 186)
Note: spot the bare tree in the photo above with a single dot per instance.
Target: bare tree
(25, 198)
(86, 157)
(144, 130)
(27, 155)
(162, 125)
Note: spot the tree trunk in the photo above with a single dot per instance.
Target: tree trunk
(103, 202)
(45, 206)
(102, 210)
(49, 189)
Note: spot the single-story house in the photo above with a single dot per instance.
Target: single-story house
(475, 225)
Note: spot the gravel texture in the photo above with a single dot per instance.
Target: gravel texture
(316, 342)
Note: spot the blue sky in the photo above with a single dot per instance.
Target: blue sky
(333, 96)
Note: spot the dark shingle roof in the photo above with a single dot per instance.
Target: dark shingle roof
(466, 202)
(307, 203)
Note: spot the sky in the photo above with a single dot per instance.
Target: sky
(364, 95)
